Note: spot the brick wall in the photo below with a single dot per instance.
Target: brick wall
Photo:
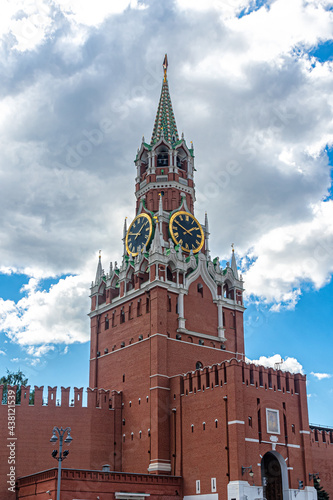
(92, 432)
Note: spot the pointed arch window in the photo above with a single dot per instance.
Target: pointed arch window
(162, 159)
(130, 311)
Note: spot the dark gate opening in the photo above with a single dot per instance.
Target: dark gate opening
(272, 477)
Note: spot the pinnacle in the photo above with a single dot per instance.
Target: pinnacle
(99, 272)
(165, 122)
(234, 264)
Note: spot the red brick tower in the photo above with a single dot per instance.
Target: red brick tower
(169, 308)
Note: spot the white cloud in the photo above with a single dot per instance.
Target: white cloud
(32, 22)
(3, 353)
(289, 364)
(288, 256)
(42, 318)
(40, 350)
(92, 14)
(321, 376)
(226, 8)
(259, 110)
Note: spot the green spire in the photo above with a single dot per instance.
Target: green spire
(165, 123)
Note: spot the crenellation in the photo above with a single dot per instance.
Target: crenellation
(51, 396)
(78, 393)
(65, 391)
(96, 398)
(103, 398)
(25, 395)
(39, 396)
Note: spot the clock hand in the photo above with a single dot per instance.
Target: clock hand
(186, 230)
(139, 231)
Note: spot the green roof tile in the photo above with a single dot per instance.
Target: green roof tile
(165, 123)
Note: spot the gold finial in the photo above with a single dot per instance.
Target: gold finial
(232, 246)
(100, 253)
(165, 67)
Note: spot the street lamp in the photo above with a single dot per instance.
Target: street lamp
(314, 476)
(244, 469)
(62, 454)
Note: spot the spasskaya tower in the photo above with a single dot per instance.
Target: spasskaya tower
(169, 308)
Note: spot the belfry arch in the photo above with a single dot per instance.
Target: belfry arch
(274, 475)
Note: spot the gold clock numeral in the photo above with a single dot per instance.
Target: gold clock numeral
(180, 242)
(176, 234)
(181, 218)
(186, 246)
(193, 246)
(130, 246)
(197, 242)
(187, 218)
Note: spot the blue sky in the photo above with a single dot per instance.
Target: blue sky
(251, 85)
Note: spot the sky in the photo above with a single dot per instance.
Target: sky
(251, 85)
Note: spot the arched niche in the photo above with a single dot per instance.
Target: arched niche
(102, 293)
(171, 272)
(162, 156)
(228, 291)
(130, 279)
(182, 159)
(143, 271)
(274, 476)
(143, 163)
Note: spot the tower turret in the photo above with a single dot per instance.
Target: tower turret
(165, 165)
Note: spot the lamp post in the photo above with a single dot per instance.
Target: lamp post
(62, 454)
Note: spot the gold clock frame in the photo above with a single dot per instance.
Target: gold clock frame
(145, 216)
(182, 212)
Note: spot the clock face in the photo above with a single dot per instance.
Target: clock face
(186, 231)
(138, 234)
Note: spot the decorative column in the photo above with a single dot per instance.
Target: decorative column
(220, 327)
(170, 162)
(152, 164)
(181, 319)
